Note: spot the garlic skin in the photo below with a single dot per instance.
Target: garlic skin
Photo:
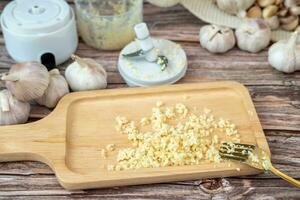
(216, 39)
(235, 7)
(27, 81)
(284, 55)
(253, 35)
(164, 3)
(85, 74)
(12, 111)
(57, 88)
(273, 22)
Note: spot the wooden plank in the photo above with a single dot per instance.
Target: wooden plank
(47, 187)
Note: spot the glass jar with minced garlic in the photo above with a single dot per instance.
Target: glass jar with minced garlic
(108, 24)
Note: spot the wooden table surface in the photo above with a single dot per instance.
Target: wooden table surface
(275, 95)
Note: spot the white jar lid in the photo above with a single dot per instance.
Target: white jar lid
(139, 72)
(36, 16)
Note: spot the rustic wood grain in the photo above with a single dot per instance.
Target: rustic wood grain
(276, 96)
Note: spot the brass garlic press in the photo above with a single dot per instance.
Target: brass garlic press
(254, 157)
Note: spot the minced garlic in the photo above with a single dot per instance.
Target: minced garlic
(110, 147)
(192, 140)
(103, 153)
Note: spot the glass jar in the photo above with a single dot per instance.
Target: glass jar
(108, 24)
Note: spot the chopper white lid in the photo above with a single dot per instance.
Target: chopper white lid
(139, 72)
(36, 16)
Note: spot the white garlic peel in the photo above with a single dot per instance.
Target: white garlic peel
(27, 81)
(57, 88)
(12, 111)
(216, 39)
(285, 55)
(253, 36)
(236, 7)
(85, 74)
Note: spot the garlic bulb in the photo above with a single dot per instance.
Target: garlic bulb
(216, 39)
(236, 7)
(57, 88)
(27, 81)
(285, 55)
(164, 3)
(12, 111)
(85, 74)
(253, 35)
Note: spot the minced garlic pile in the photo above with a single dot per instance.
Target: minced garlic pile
(177, 137)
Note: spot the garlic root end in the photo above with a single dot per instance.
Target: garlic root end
(10, 77)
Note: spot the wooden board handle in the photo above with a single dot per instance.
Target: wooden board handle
(23, 142)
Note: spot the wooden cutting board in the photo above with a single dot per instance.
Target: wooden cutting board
(69, 140)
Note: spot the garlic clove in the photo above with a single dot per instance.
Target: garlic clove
(295, 10)
(85, 74)
(273, 22)
(278, 2)
(282, 12)
(12, 110)
(254, 12)
(292, 24)
(57, 88)
(265, 3)
(27, 81)
(291, 3)
(269, 11)
(253, 36)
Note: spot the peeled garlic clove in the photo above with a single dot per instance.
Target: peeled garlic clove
(254, 12)
(253, 35)
(273, 22)
(283, 55)
(269, 11)
(291, 25)
(85, 74)
(27, 81)
(234, 6)
(291, 3)
(216, 39)
(265, 3)
(295, 10)
(278, 2)
(57, 88)
(12, 111)
(282, 12)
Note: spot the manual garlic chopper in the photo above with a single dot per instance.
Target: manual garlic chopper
(39, 30)
(150, 61)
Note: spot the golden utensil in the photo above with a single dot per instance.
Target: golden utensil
(254, 157)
